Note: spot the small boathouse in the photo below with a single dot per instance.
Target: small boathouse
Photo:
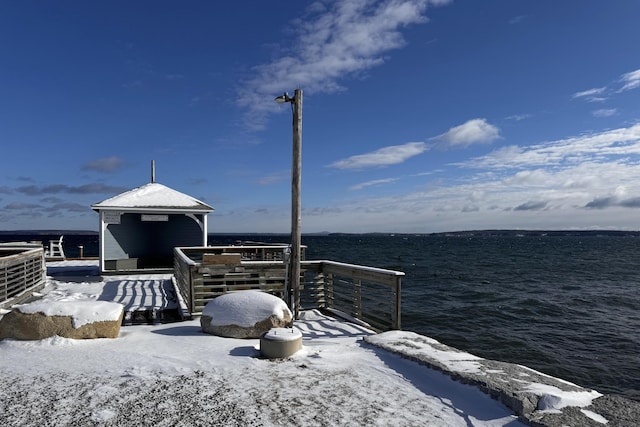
(139, 228)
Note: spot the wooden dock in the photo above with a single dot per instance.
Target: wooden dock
(365, 294)
(368, 294)
(147, 298)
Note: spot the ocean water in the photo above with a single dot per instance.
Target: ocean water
(566, 304)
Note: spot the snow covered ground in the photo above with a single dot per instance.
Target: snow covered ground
(176, 375)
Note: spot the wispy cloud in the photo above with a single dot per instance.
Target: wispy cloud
(34, 190)
(517, 19)
(519, 117)
(52, 199)
(198, 181)
(21, 206)
(613, 201)
(566, 183)
(70, 207)
(604, 112)
(598, 146)
(472, 132)
(174, 76)
(335, 41)
(132, 84)
(106, 165)
(630, 80)
(372, 183)
(625, 82)
(319, 211)
(274, 178)
(383, 157)
(591, 95)
(531, 206)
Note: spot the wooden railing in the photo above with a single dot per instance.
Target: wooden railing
(371, 295)
(260, 268)
(249, 252)
(22, 271)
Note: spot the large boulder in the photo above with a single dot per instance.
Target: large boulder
(77, 319)
(245, 314)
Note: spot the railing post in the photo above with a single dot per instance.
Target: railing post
(6, 285)
(328, 285)
(24, 274)
(357, 299)
(192, 302)
(397, 312)
(320, 290)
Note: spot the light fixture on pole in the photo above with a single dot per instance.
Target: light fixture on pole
(294, 269)
(284, 98)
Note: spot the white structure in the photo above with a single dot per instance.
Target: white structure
(140, 228)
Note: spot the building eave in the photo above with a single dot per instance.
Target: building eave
(161, 209)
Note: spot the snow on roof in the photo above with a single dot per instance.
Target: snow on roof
(152, 195)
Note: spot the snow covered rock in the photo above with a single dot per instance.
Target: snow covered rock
(68, 319)
(245, 314)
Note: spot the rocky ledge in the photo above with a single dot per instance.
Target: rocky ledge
(538, 399)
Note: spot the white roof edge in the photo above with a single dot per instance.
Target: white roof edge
(153, 197)
(159, 209)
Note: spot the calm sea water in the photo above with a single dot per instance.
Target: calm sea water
(566, 305)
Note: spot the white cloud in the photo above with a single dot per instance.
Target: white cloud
(589, 94)
(534, 177)
(519, 117)
(517, 19)
(598, 146)
(274, 178)
(472, 132)
(630, 80)
(383, 157)
(107, 164)
(531, 206)
(604, 112)
(333, 42)
(566, 197)
(372, 183)
(584, 182)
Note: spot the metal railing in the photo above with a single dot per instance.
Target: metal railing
(371, 295)
(22, 271)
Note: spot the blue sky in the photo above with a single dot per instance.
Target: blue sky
(418, 116)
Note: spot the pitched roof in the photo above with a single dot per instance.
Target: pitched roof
(153, 196)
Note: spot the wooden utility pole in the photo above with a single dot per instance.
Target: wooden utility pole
(296, 235)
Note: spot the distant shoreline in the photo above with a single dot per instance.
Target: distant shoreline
(463, 233)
